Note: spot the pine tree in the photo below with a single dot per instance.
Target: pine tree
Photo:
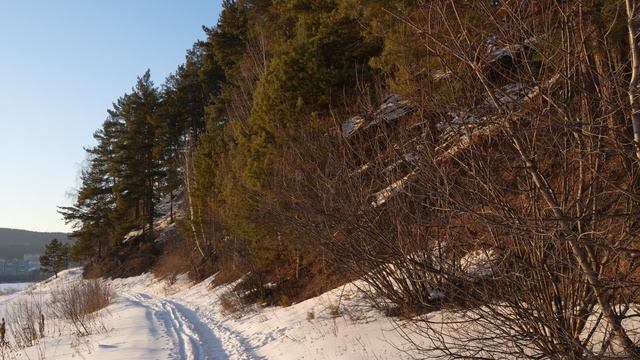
(55, 258)
(137, 168)
(311, 66)
(92, 214)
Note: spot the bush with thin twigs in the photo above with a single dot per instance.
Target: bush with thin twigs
(516, 218)
(79, 303)
(23, 320)
(231, 303)
(311, 315)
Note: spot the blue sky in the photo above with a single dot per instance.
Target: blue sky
(62, 64)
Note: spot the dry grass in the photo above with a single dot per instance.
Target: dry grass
(79, 303)
(76, 304)
(231, 303)
(24, 321)
(174, 260)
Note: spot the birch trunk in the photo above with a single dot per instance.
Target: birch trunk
(187, 181)
(633, 27)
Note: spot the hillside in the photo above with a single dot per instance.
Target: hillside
(15, 243)
(474, 159)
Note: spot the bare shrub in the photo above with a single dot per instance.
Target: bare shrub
(23, 320)
(509, 200)
(6, 352)
(334, 310)
(80, 302)
(175, 259)
(231, 303)
(311, 315)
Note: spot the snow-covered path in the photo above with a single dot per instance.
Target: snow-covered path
(193, 334)
(191, 338)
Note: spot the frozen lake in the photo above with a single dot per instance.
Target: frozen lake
(10, 288)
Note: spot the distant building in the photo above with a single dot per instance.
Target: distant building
(32, 257)
(26, 269)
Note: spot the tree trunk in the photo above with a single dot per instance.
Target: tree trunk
(633, 27)
(171, 206)
(578, 252)
(187, 181)
(580, 255)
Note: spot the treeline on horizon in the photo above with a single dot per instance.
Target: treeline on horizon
(14, 243)
(510, 181)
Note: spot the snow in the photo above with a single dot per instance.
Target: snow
(163, 224)
(390, 191)
(353, 331)
(156, 319)
(478, 264)
(408, 158)
(352, 125)
(499, 51)
(393, 108)
(361, 169)
(10, 288)
(130, 331)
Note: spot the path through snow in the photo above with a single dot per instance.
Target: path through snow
(192, 338)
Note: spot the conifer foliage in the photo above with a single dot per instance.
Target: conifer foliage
(55, 258)
(486, 129)
(217, 128)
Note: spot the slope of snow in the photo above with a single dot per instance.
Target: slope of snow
(335, 325)
(153, 319)
(129, 330)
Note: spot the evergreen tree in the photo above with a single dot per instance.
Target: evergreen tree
(138, 168)
(311, 66)
(92, 215)
(55, 258)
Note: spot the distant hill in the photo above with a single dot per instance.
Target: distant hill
(15, 243)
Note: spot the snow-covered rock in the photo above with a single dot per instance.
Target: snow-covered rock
(392, 109)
